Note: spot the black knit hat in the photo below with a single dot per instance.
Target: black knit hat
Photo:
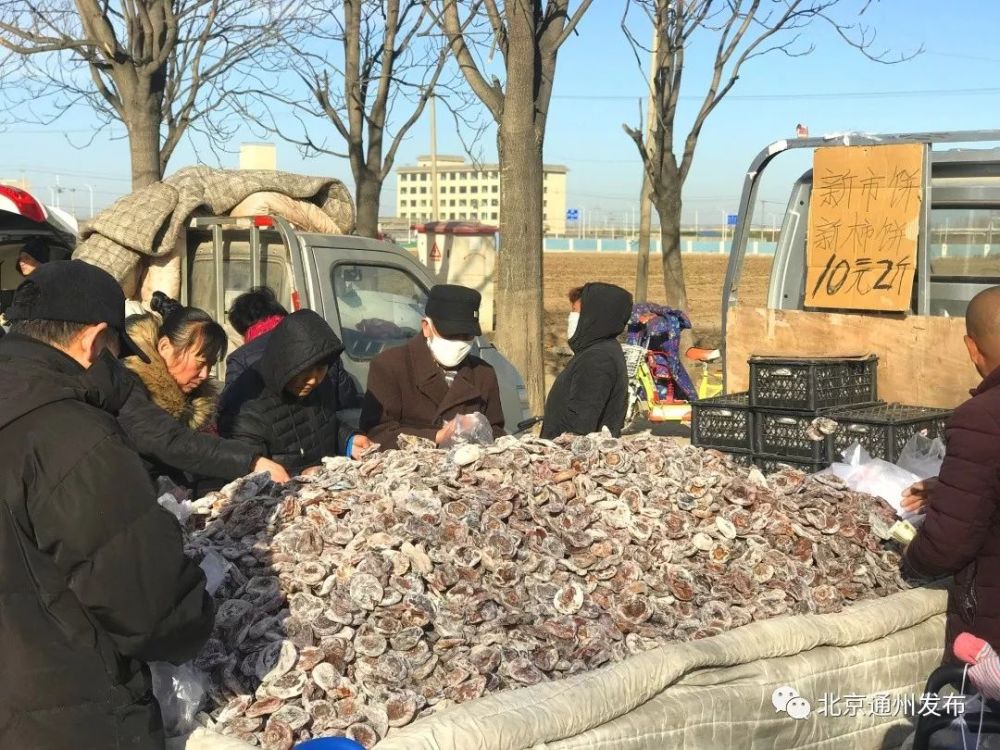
(44, 251)
(73, 291)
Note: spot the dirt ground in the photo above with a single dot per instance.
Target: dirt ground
(704, 273)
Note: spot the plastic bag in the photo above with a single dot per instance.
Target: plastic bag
(216, 568)
(467, 428)
(922, 456)
(874, 476)
(180, 692)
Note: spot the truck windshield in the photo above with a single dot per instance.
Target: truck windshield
(379, 307)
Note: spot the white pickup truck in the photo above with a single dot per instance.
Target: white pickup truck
(372, 293)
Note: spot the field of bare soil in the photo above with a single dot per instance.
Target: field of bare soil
(704, 273)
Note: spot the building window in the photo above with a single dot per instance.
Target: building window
(462, 216)
(474, 189)
(423, 191)
(545, 204)
(495, 202)
(494, 216)
(423, 177)
(462, 189)
(463, 202)
(451, 175)
(423, 204)
(545, 189)
(496, 188)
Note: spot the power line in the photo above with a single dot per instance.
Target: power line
(68, 173)
(800, 95)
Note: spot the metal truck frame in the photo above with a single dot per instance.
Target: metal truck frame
(953, 179)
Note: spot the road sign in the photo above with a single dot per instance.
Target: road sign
(572, 214)
(435, 252)
(731, 220)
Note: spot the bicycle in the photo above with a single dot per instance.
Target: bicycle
(709, 384)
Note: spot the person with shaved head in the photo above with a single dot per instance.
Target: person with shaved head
(960, 535)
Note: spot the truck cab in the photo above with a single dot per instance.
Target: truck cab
(922, 357)
(372, 293)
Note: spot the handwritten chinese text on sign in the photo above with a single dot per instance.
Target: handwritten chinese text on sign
(864, 216)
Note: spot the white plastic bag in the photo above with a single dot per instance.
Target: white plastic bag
(876, 477)
(179, 691)
(216, 568)
(922, 456)
(468, 428)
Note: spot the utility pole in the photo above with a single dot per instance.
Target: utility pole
(642, 261)
(90, 189)
(434, 161)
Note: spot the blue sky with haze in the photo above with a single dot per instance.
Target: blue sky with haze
(598, 85)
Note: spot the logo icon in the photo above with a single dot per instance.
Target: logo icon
(786, 699)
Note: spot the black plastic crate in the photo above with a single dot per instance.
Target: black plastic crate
(884, 429)
(783, 433)
(772, 464)
(723, 422)
(813, 384)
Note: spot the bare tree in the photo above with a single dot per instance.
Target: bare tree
(158, 67)
(374, 59)
(528, 34)
(745, 30)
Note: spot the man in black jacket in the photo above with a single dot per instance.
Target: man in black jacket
(93, 577)
(590, 393)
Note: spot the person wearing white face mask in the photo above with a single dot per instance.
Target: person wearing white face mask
(420, 388)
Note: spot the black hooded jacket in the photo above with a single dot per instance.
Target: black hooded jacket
(590, 393)
(93, 577)
(295, 432)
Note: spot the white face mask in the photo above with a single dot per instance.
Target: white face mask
(449, 353)
(572, 321)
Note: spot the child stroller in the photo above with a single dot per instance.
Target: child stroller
(983, 724)
(659, 386)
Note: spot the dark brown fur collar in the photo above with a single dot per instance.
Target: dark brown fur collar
(195, 410)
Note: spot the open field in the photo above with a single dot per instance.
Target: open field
(705, 274)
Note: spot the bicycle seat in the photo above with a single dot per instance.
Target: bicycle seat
(696, 354)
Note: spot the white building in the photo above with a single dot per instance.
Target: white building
(469, 192)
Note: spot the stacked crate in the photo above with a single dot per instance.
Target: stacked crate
(768, 425)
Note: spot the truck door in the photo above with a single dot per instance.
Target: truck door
(371, 300)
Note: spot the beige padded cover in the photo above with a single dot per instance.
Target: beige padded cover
(716, 693)
(152, 221)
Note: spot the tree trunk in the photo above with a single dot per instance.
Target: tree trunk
(642, 262)
(518, 291)
(668, 207)
(143, 126)
(369, 191)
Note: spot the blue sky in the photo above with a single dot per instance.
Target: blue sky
(598, 85)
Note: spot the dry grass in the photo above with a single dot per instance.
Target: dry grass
(705, 275)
